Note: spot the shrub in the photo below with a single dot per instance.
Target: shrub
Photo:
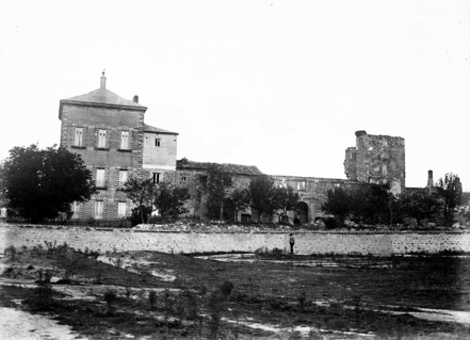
(51, 246)
(192, 304)
(11, 251)
(97, 278)
(276, 251)
(110, 298)
(152, 299)
(302, 301)
(73, 264)
(215, 305)
(330, 223)
(226, 288)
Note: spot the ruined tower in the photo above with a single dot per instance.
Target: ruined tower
(377, 159)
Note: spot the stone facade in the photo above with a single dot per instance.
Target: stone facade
(159, 160)
(193, 176)
(110, 135)
(312, 193)
(377, 159)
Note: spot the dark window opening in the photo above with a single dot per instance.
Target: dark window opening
(157, 141)
(156, 177)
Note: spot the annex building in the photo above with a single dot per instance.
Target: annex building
(110, 134)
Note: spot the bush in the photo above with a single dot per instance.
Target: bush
(330, 223)
(110, 298)
(226, 288)
(11, 251)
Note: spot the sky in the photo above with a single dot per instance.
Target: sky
(282, 85)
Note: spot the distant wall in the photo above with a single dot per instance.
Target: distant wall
(375, 243)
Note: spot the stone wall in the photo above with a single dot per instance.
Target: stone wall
(375, 243)
(377, 159)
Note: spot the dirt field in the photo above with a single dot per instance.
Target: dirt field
(144, 295)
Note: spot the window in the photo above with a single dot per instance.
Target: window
(156, 177)
(122, 178)
(75, 210)
(157, 141)
(99, 209)
(78, 140)
(124, 140)
(122, 209)
(300, 185)
(102, 139)
(100, 179)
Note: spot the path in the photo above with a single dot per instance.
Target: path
(20, 325)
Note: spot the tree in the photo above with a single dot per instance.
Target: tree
(338, 204)
(217, 187)
(261, 194)
(170, 200)
(359, 202)
(372, 203)
(142, 193)
(41, 184)
(239, 199)
(421, 204)
(449, 189)
(284, 199)
(395, 207)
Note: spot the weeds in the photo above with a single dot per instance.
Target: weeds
(51, 247)
(11, 251)
(302, 301)
(216, 306)
(73, 264)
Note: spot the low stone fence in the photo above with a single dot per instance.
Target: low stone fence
(311, 242)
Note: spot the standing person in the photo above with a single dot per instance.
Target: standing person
(291, 242)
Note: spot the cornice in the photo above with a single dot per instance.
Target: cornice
(99, 105)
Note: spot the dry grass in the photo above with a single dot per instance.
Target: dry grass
(331, 299)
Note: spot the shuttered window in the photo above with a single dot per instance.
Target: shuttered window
(78, 140)
(124, 140)
(122, 209)
(100, 178)
(122, 178)
(99, 209)
(102, 138)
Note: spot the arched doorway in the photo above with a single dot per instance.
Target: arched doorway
(301, 213)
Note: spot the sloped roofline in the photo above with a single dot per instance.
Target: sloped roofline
(229, 168)
(149, 128)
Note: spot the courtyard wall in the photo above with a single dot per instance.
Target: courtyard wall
(320, 242)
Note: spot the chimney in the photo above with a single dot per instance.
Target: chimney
(103, 81)
(430, 180)
(136, 99)
(361, 133)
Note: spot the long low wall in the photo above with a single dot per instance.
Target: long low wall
(375, 243)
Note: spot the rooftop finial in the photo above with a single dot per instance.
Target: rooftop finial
(103, 80)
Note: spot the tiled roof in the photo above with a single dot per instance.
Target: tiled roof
(232, 169)
(149, 128)
(103, 96)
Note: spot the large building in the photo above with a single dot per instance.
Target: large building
(112, 138)
(110, 134)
